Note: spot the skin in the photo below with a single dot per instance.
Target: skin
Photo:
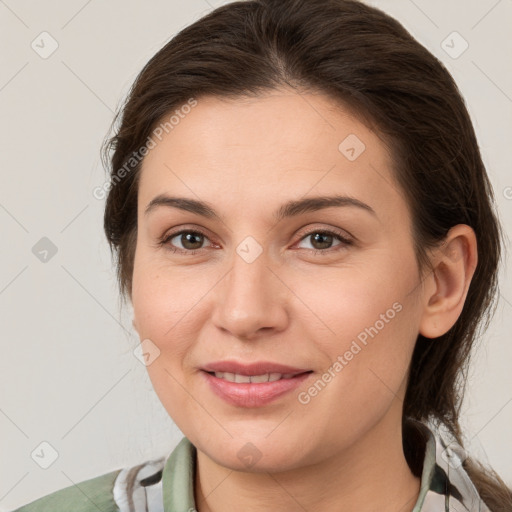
(246, 157)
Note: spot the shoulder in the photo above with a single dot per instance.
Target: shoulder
(132, 489)
(87, 496)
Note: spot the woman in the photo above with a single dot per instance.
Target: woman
(313, 377)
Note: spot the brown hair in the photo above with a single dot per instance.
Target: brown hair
(368, 62)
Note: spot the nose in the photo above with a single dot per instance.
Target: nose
(251, 300)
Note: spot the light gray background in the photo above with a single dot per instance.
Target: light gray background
(68, 373)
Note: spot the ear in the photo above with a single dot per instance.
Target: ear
(446, 286)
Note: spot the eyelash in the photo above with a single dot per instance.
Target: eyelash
(164, 241)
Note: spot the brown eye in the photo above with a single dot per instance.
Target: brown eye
(190, 241)
(322, 240)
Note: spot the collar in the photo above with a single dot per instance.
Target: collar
(445, 484)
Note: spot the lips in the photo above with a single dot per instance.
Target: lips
(254, 384)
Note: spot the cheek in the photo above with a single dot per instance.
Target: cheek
(372, 320)
(164, 311)
(163, 298)
(363, 303)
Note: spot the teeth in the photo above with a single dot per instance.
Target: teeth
(266, 377)
(259, 378)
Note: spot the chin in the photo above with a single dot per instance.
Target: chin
(257, 456)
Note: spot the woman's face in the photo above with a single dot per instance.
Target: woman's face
(256, 279)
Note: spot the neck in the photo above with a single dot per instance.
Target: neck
(372, 474)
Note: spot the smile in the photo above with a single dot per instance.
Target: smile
(253, 390)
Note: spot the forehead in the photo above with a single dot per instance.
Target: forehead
(284, 144)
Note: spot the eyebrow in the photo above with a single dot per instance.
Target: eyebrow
(290, 209)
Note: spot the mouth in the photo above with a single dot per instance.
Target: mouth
(253, 385)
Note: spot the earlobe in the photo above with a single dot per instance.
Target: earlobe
(454, 264)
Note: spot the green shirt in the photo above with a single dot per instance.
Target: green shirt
(167, 484)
